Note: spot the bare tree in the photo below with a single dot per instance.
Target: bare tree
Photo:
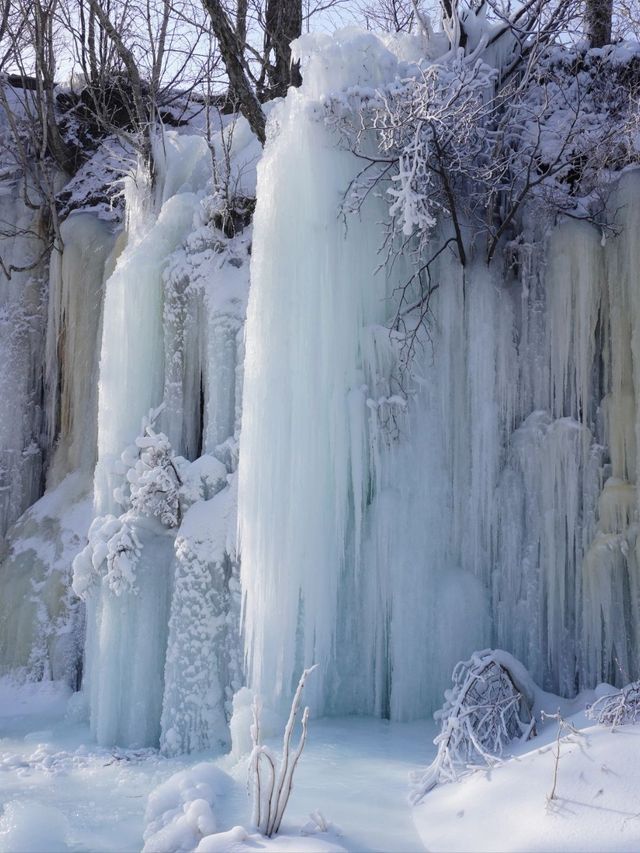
(465, 145)
(143, 111)
(233, 56)
(283, 24)
(395, 16)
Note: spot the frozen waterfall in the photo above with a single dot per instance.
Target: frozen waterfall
(388, 531)
(160, 580)
(241, 500)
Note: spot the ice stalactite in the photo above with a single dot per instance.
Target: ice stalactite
(206, 285)
(331, 571)
(611, 583)
(76, 290)
(127, 629)
(301, 455)
(132, 359)
(548, 489)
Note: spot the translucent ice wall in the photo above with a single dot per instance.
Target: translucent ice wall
(127, 631)
(132, 358)
(76, 290)
(389, 528)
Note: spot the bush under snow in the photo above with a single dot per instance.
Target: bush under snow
(489, 705)
(181, 811)
(617, 709)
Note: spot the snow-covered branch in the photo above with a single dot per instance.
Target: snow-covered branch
(272, 789)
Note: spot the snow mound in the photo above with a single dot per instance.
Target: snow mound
(180, 812)
(595, 805)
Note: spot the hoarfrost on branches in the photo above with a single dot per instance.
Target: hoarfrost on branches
(113, 549)
(461, 144)
(153, 477)
(152, 490)
(462, 137)
(489, 706)
(122, 555)
(617, 709)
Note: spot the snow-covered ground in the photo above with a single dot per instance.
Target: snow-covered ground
(59, 791)
(596, 805)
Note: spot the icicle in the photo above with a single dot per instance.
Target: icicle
(75, 319)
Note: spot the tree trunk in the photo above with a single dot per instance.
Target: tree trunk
(598, 15)
(232, 56)
(283, 25)
(142, 115)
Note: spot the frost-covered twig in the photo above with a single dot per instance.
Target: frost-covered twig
(468, 141)
(271, 795)
(564, 728)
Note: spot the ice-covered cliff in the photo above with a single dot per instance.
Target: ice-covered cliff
(394, 513)
(486, 496)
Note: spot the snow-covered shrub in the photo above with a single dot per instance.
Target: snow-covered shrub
(456, 138)
(272, 789)
(123, 551)
(153, 476)
(617, 709)
(181, 811)
(113, 550)
(461, 145)
(152, 490)
(489, 705)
